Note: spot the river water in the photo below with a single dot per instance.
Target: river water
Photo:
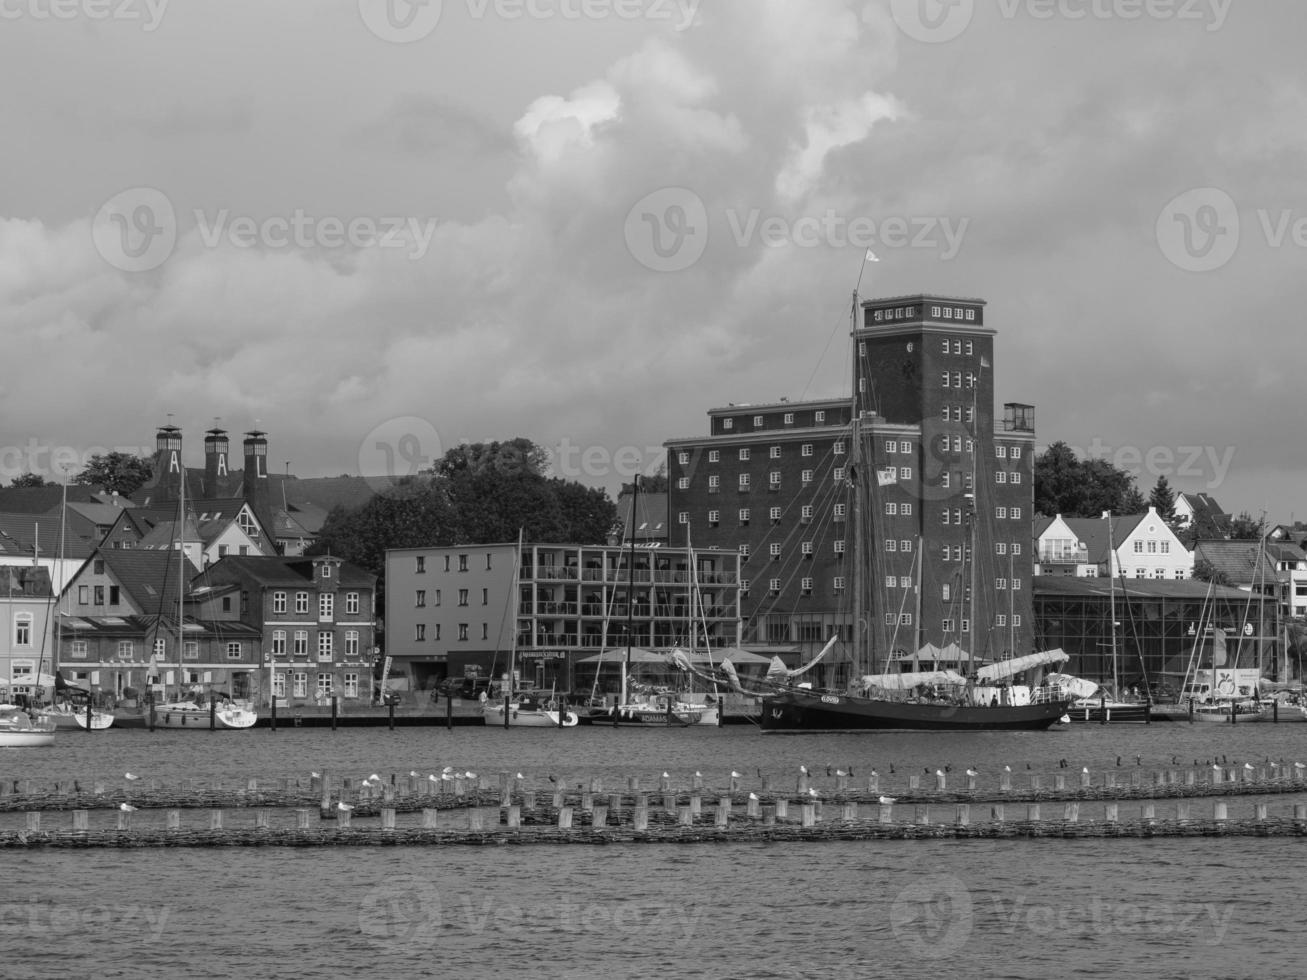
(1185, 907)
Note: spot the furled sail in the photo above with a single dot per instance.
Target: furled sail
(1015, 665)
(905, 682)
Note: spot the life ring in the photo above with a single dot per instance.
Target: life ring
(1226, 686)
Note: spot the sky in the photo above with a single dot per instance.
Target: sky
(375, 229)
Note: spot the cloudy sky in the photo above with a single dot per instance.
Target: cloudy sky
(376, 228)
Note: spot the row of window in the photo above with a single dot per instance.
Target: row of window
(955, 516)
(819, 417)
(838, 585)
(126, 649)
(420, 631)
(326, 603)
(1002, 476)
(954, 379)
(805, 548)
(420, 597)
(1153, 547)
(325, 685)
(421, 563)
(326, 644)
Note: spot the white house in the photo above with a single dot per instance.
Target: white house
(1136, 546)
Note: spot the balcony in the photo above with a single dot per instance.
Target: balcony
(1063, 555)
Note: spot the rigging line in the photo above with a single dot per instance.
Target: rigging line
(842, 320)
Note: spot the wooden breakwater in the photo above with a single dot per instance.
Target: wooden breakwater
(720, 823)
(414, 792)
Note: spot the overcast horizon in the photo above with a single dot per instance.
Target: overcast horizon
(375, 229)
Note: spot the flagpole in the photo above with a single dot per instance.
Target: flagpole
(858, 556)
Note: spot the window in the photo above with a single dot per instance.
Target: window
(485, 597)
(744, 551)
(744, 517)
(744, 483)
(757, 421)
(488, 557)
(946, 377)
(947, 625)
(1015, 452)
(905, 510)
(436, 598)
(300, 685)
(114, 592)
(1016, 548)
(838, 473)
(98, 566)
(1016, 620)
(805, 514)
(788, 419)
(462, 597)
(683, 517)
(99, 595)
(714, 518)
(889, 619)
(279, 602)
(324, 685)
(301, 602)
(351, 603)
(744, 588)
(805, 477)
(683, 483)
(945, 591)
(278, 643)
(774, 479)
(775, 551)
(905, 472)
(838, 584)
(905, 619)
(1000, 477)
(838, 448)
(714, 455)
(326, 606)
(1166, 547)
(1000, 452)
(819, 416)
(744, 455)
(462, 563)
(905, 447)
(891, 545)
(774, 586)
(774, 452)
(351, 643)
(1015, 477)
(1000, 548)
(775, 515)
(891, 446)
(301, 640)
(1152, 547)
(839, 546)
(1016, 584)
(233, 651)
(891, 510)
(83, 594)
(485, 631)
(279, 686)
(806, 549)
(1016, 513)
(326, 645)
(1000, 584)
(126, 650)
(420, 632)
(462, 631)
(421, 565)
(447, 563)
(351, 685)
(683, 458)
(1000, 513)
(728, 423)
(805, 449)
(838, 511)
(1000, 620)
(966, 626)
(714, 483)
(78, 649)
(806, 586)
(905, 545)
(23, 630)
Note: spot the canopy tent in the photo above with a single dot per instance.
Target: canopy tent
(619, 655)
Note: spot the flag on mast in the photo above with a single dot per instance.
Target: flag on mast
(871, 256)
(1218, 648)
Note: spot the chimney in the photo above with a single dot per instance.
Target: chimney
(256, 476)
(216, 471)
(168, 468)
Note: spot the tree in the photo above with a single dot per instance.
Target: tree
(115, 472)
(415, 513)
(1205, 571)
(1067, 485)
(1162, 500)
(514, 456)
(656, 482)
(1245, 528)
(28, 480)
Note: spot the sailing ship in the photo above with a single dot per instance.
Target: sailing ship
(19, 730)
(941, 699)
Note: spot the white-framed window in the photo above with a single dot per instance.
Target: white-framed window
(805, 449)
(1016, 547)
(279, 602)
(788, 418)
(838, 473)
(891, 446)
(301, 641)
(839, 546)
(683, 483)
(838, 511)
(419, 632)
(1000, 513)
(728, 423)
(805, 514)
(905, 447)
(1016, 583)
(1016, 513)
(744, 516)
(126, 650)
(714, 455)
(947, 625)
(838, 583)
(351, 603)
(945, 592)
(78, 649)
(1000, 584)
(774, 452)
(891, 509)
(714, 483)
(819, 416)
(744, 551)
(1000, 548)
(1000, 620)
(805, 585)
(191, 650)
(683, 458)
(279, 685)
(1000, 452)
(420, 599)
(351, 685)
(838, 448)
(889, 619)
(683, 517)
(905, 472)
(966, 626)
(351, 643)
(891, 545)
(774, 479)
(775, 551)
(775, 515)
(1015, 453)
(714, 518)
(161, 648)
(1016, 619)
(774, 586)
(462, 631)
(326, 645)
(905, 619)
(325, 685)
(23, 629)
(805, 548)
(905, 545)
(326, 606)
(905, 509)
(234, 651)
(744, 481)
(805, 477)
(1015, 477)
(278, 643)
(946, 376)
(300, 685)
(757, 421)
(301, 602)
(1000, 477)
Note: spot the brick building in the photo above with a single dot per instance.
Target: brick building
(936, 467)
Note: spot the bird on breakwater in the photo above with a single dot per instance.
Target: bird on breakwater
(1175, 760)
(753, 796)
(840, 772)
(520, 776)
(1027, 765)
(1007, 768)
(315, 775)
(699, 775)
(1248, 766)
(886, 800)
(413, 773)
(342, 805)
(736, 775)
(666, 774)
(77, 787)
(126, 808)
(828, 769)
(1061, 763)
(948, 767)
(972, 772)
(803, 769)
(1085, 769)
(553, 778)
(128, 775)
(813, 792)
(1139, 760)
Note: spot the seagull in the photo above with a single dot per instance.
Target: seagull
(520, 776)
(1085, 770)
(666, 774)
(813, 792)
(447, 769)
(312, 775)
(432, 778)
(412, 772)
(840, 772)
(128, 775)
(1248, 766)
(939, 772)
(374, 778)
(1007, 768)
(972, 772)
(342, 805)
(886, 800)
(803, 769)
(698, 774)
(734, 774)
(469, 775)
(753, 796)
(126, 808)
(1298, 765)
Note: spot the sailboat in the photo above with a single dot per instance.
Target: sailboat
(192, 712)
(939, 700)
(62, 711)
(19, 730)
(517, 710)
